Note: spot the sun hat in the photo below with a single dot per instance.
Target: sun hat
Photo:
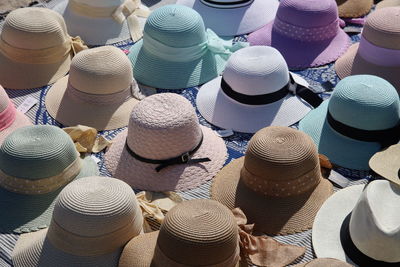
(386, 163)
(101, 22)
(36, 162)
(324, 262)
(307, 33)
(35, 48)
(93, 218)
(360, 225)
(99, 91)
(361, 117)
(279, 173)
(378, 52)
(354, 8)
(256, 90)
(177, 52)
(234, 17)
(164, 147)
(387, 3)
(10, 117)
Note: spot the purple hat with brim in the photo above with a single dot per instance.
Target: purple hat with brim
(307, 33)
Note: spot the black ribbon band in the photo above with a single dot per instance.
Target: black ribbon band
(385, 137)
(303, 92)
(185, 158)
(225, 4)
(354, 253)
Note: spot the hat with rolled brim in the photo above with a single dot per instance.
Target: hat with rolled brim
(20, 120)
(386, 163)
(387, 3)
(25, 213)
(286, 215)
(236, 20)
(354, 8)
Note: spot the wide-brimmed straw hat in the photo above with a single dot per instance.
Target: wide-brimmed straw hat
(378, 52)
(354, 8)
(360, 225)
(361, 117)
(307, 33)
(93, 218)
(234, 17)
(36, 162)
(164, 147)
(10, 117)
(105, 21)
(35, 48)
(281, 174)
(99, 91)
(386, 163)
(387, 3)
(256, 90)
(177, 52)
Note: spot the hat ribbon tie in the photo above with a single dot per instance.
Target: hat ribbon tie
(77, 45)
(185, 158)
(263, 251)
(7, 116)
(221, 47)
(378, 55)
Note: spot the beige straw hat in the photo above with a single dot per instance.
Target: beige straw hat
(280, 174)
(324, 262)
(93, 218)
(354, 8)
(35, 48)
(386, 163)
(388, 3)
(99, 91)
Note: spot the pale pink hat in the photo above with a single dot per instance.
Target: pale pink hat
(164, 127)
(10, 118)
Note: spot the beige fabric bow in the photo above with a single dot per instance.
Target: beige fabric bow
(263, 251)
(77, 45)
(86, 140)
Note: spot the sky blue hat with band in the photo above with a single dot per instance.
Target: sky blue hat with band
(361, 118)
(177, 51)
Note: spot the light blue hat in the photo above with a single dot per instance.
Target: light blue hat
(176, 50)
(360, 119)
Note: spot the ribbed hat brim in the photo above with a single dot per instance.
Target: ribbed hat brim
(178, 177)
(352, 64)
(34, 249)
(386, 163)
(341, 150)
(301, 55)
(354, 8)
(271, 215)
(388, 3)
(21, 120)
(70, 112)
(26, 213)
(237, 21)
(217, 108)
(155, 72)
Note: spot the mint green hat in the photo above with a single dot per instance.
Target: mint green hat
(177, 51)
(361, 118)
(36, 162)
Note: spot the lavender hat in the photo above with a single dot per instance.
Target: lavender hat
(307, 33)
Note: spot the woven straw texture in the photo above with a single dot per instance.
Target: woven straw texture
(354, 8)
(388, 3)
(325, 262)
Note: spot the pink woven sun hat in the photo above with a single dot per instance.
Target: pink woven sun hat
(307, 33)
(164, 147)
(10, 118)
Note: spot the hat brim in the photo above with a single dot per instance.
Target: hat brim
(326, 229)
(236, 21)
(21, 120)
(354, 8)
(341, 150)
(271, 215)
(158, 73)
(93, 31)
(180, 177)
(34, 249)
(387, 3)
(27, 213)
(351, 63)
(219, 109)
(298, 54)
(70, 112)
(386, 163)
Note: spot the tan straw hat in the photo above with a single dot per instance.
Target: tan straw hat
(354, 8)
(93, 218)
(386, 163)
(388, 3)
(277, 184)
(324, 262)
(35, 48)
(99, 91)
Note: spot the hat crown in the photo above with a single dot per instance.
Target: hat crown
(100, 3)
(256, 70)
(375, 217)
(202, 226)
(34, 28)
(4, 99)
(102, 70)
(281, 161)
(37, 152)
(382, 28)
(163, 126)
(96, 206)
(365, 102)
(175, 26)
